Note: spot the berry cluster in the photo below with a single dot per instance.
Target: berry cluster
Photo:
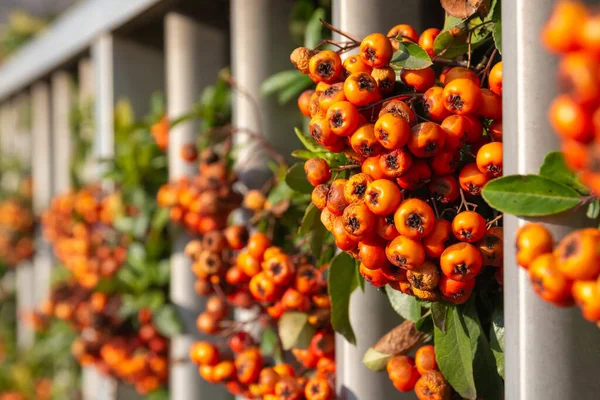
(248, 271)
(565, 274)
(79, 225)
(203, 203)
(132, 351)
(16, 232)
(573, 33)
(420, 374)
(425, 145)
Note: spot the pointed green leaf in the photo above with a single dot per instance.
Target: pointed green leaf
(167, 321)
(410, 56)
(279, 81)
(342, 282)
(439, 310)
(406, 306)
(296, 179)
(308, 142)
(311, 215)
(529, 195)
(294, 330)
(555, 168)
(454, 356)
(375, 360)
(497, 337)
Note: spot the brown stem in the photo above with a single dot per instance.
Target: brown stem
(332, 28)
(498, 218)
(484, 73)
(345, 167)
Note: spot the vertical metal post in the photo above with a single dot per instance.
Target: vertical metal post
(85, 102)
(188, 71)
(62, 101)
(551, 353)
(260, 47)
(43, 185)
(370, 312)
(123, 69)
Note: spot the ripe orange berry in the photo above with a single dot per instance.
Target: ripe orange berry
(392, 131)
(204, 353)
(495, 130)
(354, 64)
(207, 323)
(331, 95)
(376, 50)
(435, 243)
(308, 279)
(445, 162)
(433, 104)
(343, 118)
(426, 139)
(279, 268)
(319, 196)
(405, 253)
(461, 261)
(403, 373)
(356, 188)
(570, 119)
(358, 219)
(427, 38)
(462, 96)
(372, 253)
(317, 171)
(432, 386)
(492, 246)
(457, 130)
(468, 226)
(418, 175)
(385, 228)
(579, 71)
(364, 142)
(382, 197)
(495, 79)
(304, 102)
(262, 287)
(578, 255)
(489, 159)
(457, 292)
(318, 389)
(425, 277)
(320, 131)
(491, 105)
(361, 89)
(395, 163)
(419, 79)
(444, 189)
(399, 109)
(425, 359)
(460, 73)
(385, 78)
(374, 276)
(224, 371)
(476, 132)
(325, 66)
(414, 219)
(370, 166)
(589, 35)
(587, 297)
(336, 199)
(471, 179)
(257, 244)
(407, 33)
(561, 32)
(188, 152)
(547, 281)
(532, 241)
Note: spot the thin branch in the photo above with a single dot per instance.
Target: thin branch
(498, 218)
(338, 31)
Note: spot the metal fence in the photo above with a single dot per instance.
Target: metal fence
(131, 48)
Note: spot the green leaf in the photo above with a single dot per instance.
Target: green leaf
(406, 306)
(529, 195)
(375, 360)
(497, 35)
(311, 215)
(161, 394)
(593, 209)
(313, 34)
(555, 168)
(308, 141)
(296, 179)
(410, 56)
(425, 323)
(269, 345)
(136, 257)
(342, 282)
(454, 356)
(279, 81)
(488, 382)
(305, 154)
(167, 321)
(451, 21)
(497, 337)
(317, 238)
(439, 310)
(453, 41)
(295, 331)
(160, 219)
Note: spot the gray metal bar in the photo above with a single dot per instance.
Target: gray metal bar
(551, 353)
(69, 36)
(62, 102)
(43, 184)
(123, 69)
(370, 312)
(260, 46)
(189, 71)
